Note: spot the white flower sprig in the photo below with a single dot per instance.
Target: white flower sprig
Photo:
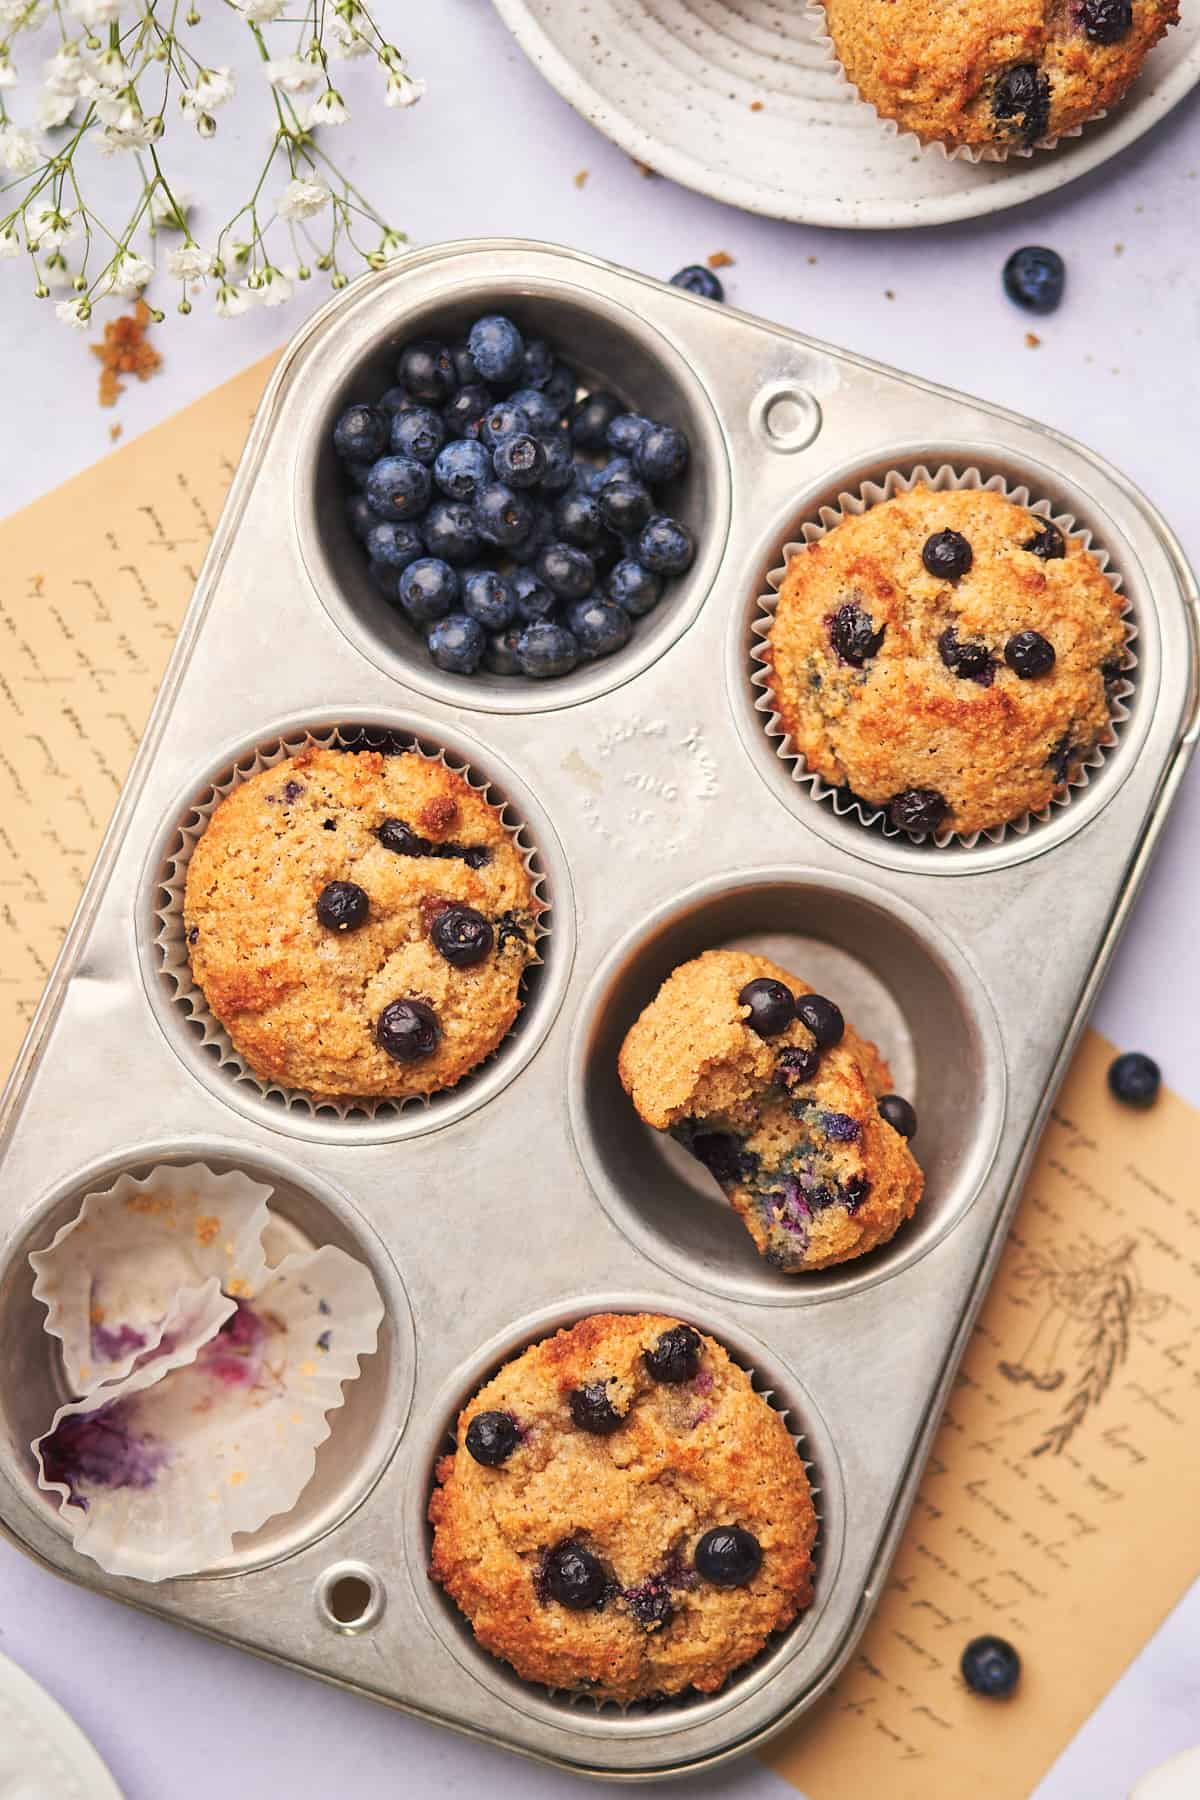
(124, 79)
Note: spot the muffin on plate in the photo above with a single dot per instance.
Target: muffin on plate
(360, 923)
(950, 657)
(789, 1110)
(623, 1515)
(994, 76)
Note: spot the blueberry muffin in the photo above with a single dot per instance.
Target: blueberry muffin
(784, 1104)
(623, 1515)
(948, 656)
(994, 76)
(360, 923)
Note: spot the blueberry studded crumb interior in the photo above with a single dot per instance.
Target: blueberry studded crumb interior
(789, 1123)
(637, 1562)
(990, 648)
(486, 467)
(361, 923)
(998, 75)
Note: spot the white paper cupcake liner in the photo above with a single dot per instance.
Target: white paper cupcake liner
(141, 1268)
(968, 153)
(945, 478)
(170, 935)
(165, 1469)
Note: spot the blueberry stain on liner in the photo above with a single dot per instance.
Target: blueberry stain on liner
(171, 944)
(844, 802)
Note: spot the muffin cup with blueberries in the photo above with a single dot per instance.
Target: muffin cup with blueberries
(981, 81)
(943, 657)
(358, 922)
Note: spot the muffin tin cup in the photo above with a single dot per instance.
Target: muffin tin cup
(773, 1381)
(945, 478)
(171, 966)
(664, 821)
(966, 153)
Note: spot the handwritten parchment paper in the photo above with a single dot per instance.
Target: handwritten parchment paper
(1060, 1505)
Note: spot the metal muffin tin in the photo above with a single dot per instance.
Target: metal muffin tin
(664, 823)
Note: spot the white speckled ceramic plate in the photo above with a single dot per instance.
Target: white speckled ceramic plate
(673, 81)
(43, 1753)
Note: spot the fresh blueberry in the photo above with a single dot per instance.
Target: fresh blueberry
(456, 644)
(450, 531)
(462, 935)
(385, 578)
(1134, 1079)
(567, 572)
(991, 1666)
(561, 389)
(772, 1006)
(537, 363)
(559, 473)
(970, 659)
(541, 532)
(636, 589)
(342, 906)
(359, 516)
(674, 1357)
(394, 545)
(662, 455)
(853, 635)
(665, 546)
(395, 400)
(1034, 278)
(543, 419)
(624, 506)
(419, 433)
(398, 487)
(590, 419)
(592, 1410)
(600, 626)
(1046, 542)
(575, 1578)
(545, 649)
(1106, 21)
(464, 364)
(696, 279)
(898, 1114)
(729, 1556)
(520, 461)
(501, 657)
(917, 810)
(503, 420)
(626, 432)
(361, 434)
(408, 1030)
(497, 350)
(1022, 97)
(796, 1066)
(492, 1437)
(533, 598)
(462, 468)
(428, 590)
(466, 407)
(488, 598)
(427, 370)
(618, 468)
(501, 516)
(948, 555)
(398, 836)
(822, 1018)
(578, 519)
(1028, 654)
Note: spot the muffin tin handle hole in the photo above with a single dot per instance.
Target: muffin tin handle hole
(350, 1598)
(785, 416)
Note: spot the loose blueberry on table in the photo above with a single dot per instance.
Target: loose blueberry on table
(483, 467)
(1134, 1079)
(1034, 278)
(990, 1666)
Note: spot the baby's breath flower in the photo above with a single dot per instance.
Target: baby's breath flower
(95, 12)
(19, 151)
(402, 89)
(260, 12)
(66, 72)
(8, 75)
(75, 313)
(10, 243)
(232, 301)
(275, 287)
(46, 228)
(169, 211)
(213, 87)
(292, 74)
(53, 109)
(302, 199)
(347, 40)
(55, 272)
(109, 70)
(189, 263)
(126, 275)
(328, 109)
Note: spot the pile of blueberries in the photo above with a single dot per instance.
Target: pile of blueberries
(514, 525)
